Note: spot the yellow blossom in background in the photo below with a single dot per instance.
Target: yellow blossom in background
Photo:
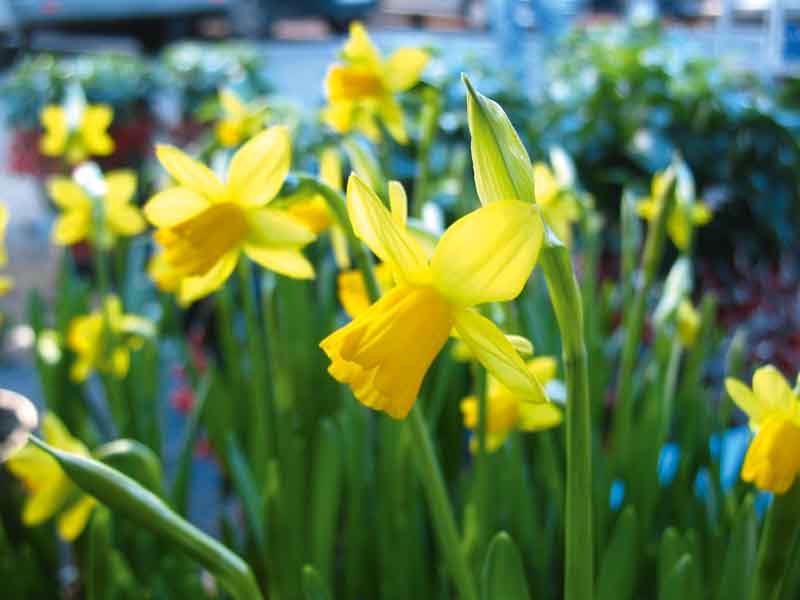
(486, 256)
(683, 218)
(77, 221)
(6, 283)
(773, 459)
(205, 224)
(103, 340)
(316, 214)
(559, 206)
(361, 88)
(688, 320)
(240, 120)
(51, 491)
(506, 412)
(352, 288)
(77, 131)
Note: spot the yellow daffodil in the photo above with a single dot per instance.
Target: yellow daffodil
(51, 491)
(352, 288)
(559, 206)
(361, 88)
(240, 121)
(314, 212)
(76, 132)
(688, 320)
(204, 224)
(103, 340)
(684, 216)
(486, 256)
(6, 283)
(773, 459)
(506, 411)
(78, 220)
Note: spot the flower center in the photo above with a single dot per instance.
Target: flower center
(384, 353)
(773, 459)
(191, 248)
(353, 83)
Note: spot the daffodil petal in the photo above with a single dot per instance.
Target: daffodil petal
(189, 173)
(125, 219)
(392, 117)
(194, 288)
(275, 229)
(398, 203)
(488, 255)
(359, 48)
(67, 194)
(330, 168)
(231, 103)
(120, 186)
(745, 399)
(173, 206)
(404, 68)
(94, 124)
(490, 346)
(537, 417)
(373, 224)
(259, 168)
(72, 521)
(72, 227)
(771, 387)
(47, 501)
(290, 263)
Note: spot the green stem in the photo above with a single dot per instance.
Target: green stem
(774, 552)
(567, 305)
(443, 520)
(429, 118)
(482, 471)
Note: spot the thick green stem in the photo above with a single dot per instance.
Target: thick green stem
(777, 540)
(567, 305)
(443, 521)
(429, 119)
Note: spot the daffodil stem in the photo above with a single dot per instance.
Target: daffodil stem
(443, 520)
(482, 472)
(777, 540)
(429, 118)
(565, 296)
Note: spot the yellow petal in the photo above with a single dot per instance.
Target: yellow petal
(772, 389)
(545, 185)
(339, 116)
(488, 344)
(392, 116)
(231, 103)
(73, 520)
(259, 168)
(189, 173)
(745, 399)
(359, 47)
(120, 186)
(287, 262)
(773, 459)
(544, 368)
(173, 206)
(345, 83)
(6, 284)
(537, 417)
(647, 208)
(120, 362)
(34, 467)
(352, 289)
(276, 229)
(398, 202)
(68, 194)
(47, 501)
(196, 287)
(229, 132)
(94, 124)
(54, 140)
(57, 435)
(404, 68)
(313, 213)
(488, 255)
(341, 251)
(330, 168)
(701, 214)
(373, 224)
(125, 219)
(72, 227)
(679, 228)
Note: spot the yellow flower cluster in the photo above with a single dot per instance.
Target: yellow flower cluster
(76, 131)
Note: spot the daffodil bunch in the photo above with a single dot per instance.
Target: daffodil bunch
(103, 340)
(98, 209)
(240, 121)
(361, 89)
(76, 130)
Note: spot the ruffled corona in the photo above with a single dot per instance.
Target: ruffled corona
(384, 354)
(773, 460)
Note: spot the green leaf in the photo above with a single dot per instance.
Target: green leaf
(740, 559)
(502, 167)
(313, 586)
(678, 586)
(366, 166)
(245, 486)
(326, 496)
(503, 574)
(135, 460)
(619, 566)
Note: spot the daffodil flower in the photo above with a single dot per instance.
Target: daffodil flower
(684, 217)
(506, 411)
(51, 491)
(103, 340)
(559, 207)
(361, 88)
(773, 459)
(78, 132)
(205, 224)
(688, 320)
(315, 213)
(6, 283)
(352, 289)
(78, 219)
(240, 121)
(486, 256)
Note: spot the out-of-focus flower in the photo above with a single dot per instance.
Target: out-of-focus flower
(316, 214)
(773, 459)
(103, 340)
(559, 206)
(486, 256)
(6, 282)
(51, 491)
(240, 120)
(361, 87)
(79, 220)
(688, 320)
(76, 131)
(205, 224)
(353, 290)
(684, 216)
(507, 412)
